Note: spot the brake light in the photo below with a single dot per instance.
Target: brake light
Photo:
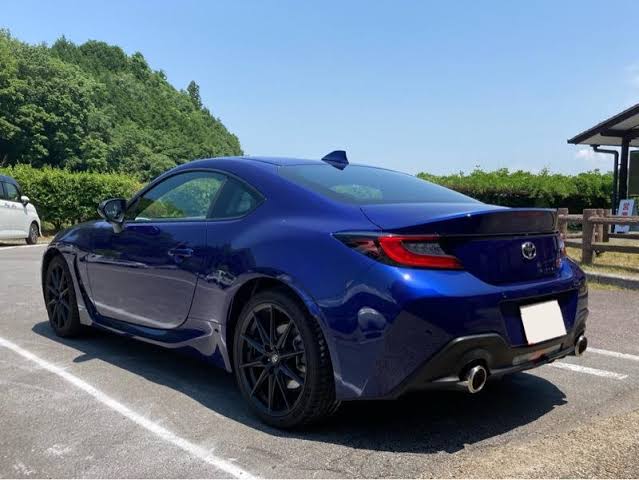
(405, 250)
(418, 252)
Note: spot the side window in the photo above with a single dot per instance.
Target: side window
(2, 194)
(185, 196)
(11, 192)
(236, 199)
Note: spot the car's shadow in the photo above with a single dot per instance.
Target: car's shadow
(425, 422)
(9, 243)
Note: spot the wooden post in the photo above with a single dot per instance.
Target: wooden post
(599, 227)
(606, 232)
(588, 233)
(562, 223)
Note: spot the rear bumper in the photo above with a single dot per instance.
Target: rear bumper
(409, 329)
(444, 369)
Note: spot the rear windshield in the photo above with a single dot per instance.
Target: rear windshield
(369, 185)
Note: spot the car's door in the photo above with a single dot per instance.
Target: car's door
(23, 217)
(146, 274)
(13, 211)
(5, 214)
(230, 235)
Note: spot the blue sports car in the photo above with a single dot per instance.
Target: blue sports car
(318, 281)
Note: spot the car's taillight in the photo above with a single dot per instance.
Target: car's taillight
(423, 252)
(405, 250)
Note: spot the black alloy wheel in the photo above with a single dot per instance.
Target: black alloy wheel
(59, 295)
(273, 359)
(281, 361)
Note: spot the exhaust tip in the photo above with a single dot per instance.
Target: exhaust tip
(581, 345)
(476, 379)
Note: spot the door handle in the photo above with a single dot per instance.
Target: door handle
(180, 252)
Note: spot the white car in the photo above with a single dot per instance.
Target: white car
(18, 217)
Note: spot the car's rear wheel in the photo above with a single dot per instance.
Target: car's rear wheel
(59, 295)
(34, 233)
(281, 361)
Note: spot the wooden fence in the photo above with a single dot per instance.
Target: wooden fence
(596, 226)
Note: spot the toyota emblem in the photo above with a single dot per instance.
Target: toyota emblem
(528, 250)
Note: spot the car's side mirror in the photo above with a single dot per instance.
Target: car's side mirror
(25, 200)
(112, 211)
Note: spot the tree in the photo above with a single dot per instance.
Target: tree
(194, 93)
(92, 107)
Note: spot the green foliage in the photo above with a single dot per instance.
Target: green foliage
(193, 90)
(63, 198)
(92, 107)
(525, 189)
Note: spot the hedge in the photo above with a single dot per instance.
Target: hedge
(524, 189)
(63, 198)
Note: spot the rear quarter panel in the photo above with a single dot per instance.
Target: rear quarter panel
(288, 238)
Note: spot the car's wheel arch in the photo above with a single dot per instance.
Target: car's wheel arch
(37, 226)
(49, 255)
(69, 254)
(260, 283)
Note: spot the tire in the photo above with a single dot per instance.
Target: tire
(60, 300)
(34, 233)
(296, 389)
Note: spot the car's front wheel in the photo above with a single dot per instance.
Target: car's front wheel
(34, 233)
(281, 361)
(59, 295)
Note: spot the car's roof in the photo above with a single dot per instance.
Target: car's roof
(279, 161)
(5, 178)
(285, 160)
(276, 161)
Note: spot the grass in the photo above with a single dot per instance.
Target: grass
(611, 262)
(603, 286)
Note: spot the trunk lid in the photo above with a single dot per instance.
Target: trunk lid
(496, 244)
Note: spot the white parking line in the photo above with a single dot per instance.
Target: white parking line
(610, 353)
(588, 370)
(166, 435)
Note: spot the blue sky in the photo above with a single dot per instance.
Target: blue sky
(412, 85)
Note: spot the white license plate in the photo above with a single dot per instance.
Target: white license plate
(542, 321)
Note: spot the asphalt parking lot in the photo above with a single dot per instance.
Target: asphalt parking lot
(106, 406)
